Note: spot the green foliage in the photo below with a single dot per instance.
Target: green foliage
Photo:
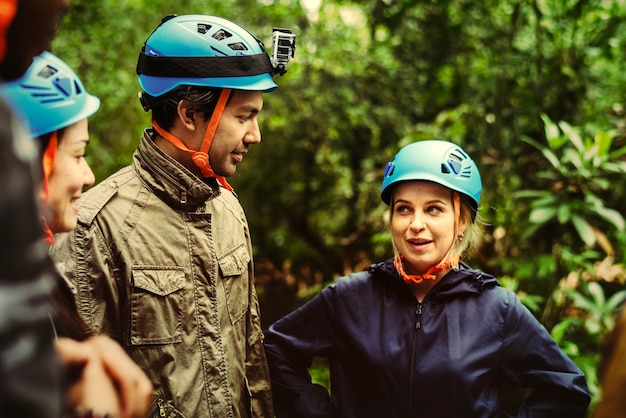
(595, 318)
(320, 372)
(580, 169)
(600, 311)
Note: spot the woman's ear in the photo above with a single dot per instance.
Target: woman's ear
(186, 115)
(464, 221)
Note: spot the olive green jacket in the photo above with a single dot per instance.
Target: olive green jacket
(163, 263)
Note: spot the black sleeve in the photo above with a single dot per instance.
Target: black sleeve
(291, 343)
(533, 360)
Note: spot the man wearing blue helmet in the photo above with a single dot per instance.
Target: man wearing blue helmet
(162, 255)
(422, 334)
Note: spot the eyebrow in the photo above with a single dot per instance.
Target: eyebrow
(430, 202)
(80, 142)
(249, 108)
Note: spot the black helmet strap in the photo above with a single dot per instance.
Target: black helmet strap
(201, 67)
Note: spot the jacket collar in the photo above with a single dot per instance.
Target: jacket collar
(170, 180)
(464, 281)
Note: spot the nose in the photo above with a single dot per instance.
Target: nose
(417, 223)
(253, 136)
(88, 177)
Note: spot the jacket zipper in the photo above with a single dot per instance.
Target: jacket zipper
(418, 326)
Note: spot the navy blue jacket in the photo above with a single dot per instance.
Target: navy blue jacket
(390, 356)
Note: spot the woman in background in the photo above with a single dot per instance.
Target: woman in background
(422, 334)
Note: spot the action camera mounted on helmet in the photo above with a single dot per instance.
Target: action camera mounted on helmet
(283, 49)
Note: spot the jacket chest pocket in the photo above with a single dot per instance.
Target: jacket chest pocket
(236, 281)
(156, 309)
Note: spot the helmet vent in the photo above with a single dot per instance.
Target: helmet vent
(238, 46)
(47, 72)
(454, 164)
(64, 84)
(221, 34)
(389, 169)
(203, 28)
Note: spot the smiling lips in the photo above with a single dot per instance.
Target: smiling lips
(418, 242)
(73, 203)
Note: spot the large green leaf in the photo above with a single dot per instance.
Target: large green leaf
(542, 214)
(584, 229)
(573, 136)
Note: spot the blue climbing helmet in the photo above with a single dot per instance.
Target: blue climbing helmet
(440, 162)
(49, 96)
(201, 50)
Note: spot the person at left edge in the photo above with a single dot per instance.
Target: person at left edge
(30, 384)
(53, 103)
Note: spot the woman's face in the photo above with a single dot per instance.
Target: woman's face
(422, 224)
(70, 174)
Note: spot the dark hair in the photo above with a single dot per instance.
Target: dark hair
(202, 99)
(44, 139)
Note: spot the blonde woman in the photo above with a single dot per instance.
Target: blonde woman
(422, 334)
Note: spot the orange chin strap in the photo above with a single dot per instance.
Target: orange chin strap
(47, 162)
(8, 8)
(201, 157)
(442, 265)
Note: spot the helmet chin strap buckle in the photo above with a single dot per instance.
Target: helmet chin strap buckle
(201, 160)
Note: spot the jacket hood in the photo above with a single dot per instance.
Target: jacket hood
(464, 281)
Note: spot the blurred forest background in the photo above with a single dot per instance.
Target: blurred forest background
(534, 90)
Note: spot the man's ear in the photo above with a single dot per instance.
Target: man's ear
(186, 115)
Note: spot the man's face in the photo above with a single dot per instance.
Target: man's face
(238, 128)
(30, 34)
